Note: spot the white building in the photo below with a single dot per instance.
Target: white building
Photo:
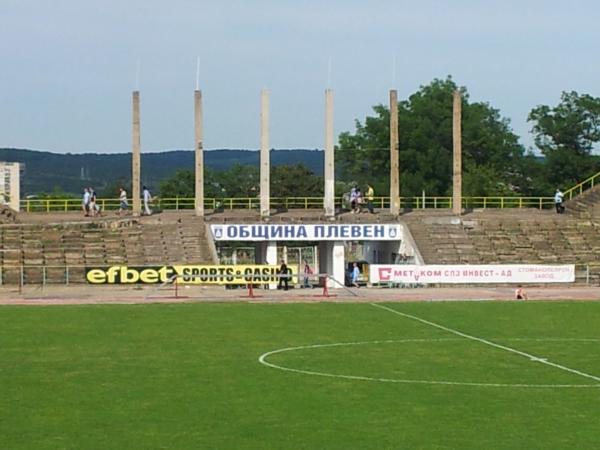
(10, 184)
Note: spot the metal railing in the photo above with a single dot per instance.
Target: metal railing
(279, 203)
(419, 202)
(42, 275)
(583, 186)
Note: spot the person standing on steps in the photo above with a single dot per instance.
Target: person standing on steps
(558, 202)
(123, 205)
(370, 195)
(85, 203)
(147, 199)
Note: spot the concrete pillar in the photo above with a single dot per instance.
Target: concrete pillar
(394, 155)
(265, 163)
(332, 261)
(135, 159)
(457, 154)
(329, 200)
(266, 253)
(199, 155)
(338, 255)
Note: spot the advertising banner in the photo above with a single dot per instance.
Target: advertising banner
(190, 274)
(464, 274)
(307, 232)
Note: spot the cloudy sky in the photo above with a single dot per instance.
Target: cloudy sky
(68, 66)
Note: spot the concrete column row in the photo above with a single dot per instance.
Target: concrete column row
(329, 191)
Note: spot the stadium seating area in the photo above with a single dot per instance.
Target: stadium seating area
(146, 241)
(44, 244)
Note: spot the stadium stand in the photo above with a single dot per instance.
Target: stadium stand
(160, 239)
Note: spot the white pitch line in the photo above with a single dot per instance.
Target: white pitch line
(490, 343)
(263, 360)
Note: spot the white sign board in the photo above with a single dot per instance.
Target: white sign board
(307, 232)
(494, 273)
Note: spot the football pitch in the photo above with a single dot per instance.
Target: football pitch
(427, 375)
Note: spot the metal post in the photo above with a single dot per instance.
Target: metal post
(587, 274)
(43, 275)
(67, 275)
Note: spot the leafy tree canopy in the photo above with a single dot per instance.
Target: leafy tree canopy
(490, 149)
(243, 181)
(566, 135)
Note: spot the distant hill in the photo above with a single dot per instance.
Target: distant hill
(71, 172)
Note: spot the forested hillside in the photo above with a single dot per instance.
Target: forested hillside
(46, 171)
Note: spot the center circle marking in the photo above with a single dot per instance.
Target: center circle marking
(263, 360)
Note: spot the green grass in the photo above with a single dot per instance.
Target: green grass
(187, 376)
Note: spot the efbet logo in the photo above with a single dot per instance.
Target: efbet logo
(130, 275)
(214, 274)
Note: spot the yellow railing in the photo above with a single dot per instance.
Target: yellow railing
(583, 186)
(281, 203)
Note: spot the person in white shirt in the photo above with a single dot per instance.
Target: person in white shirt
(558, 202)
(123, 205)
(147, 200)
(85, 203)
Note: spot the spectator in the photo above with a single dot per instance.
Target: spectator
(520, 293)
(370, 196)
(355, 274)
(94, 202)
(353, 199)
(147, 200)
(123, 205)
(359, 200)
(283, 276)
(307, 273)
(558, 202)
(85, 203)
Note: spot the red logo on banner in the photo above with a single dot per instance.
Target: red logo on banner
(384, 273)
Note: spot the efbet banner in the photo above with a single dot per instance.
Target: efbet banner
(188, 274)
(490, 273)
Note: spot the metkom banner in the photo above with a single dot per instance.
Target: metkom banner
(306, 232)
(465, 274)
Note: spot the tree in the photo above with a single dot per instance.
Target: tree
(295, 181)
(566, 135)
(491, 152)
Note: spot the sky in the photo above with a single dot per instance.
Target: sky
(68, 67)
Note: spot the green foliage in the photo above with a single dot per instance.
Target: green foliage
(56, 193)
(179, 185)
(425, 124)
(566, 135)
(295, 181)
(243, 181)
